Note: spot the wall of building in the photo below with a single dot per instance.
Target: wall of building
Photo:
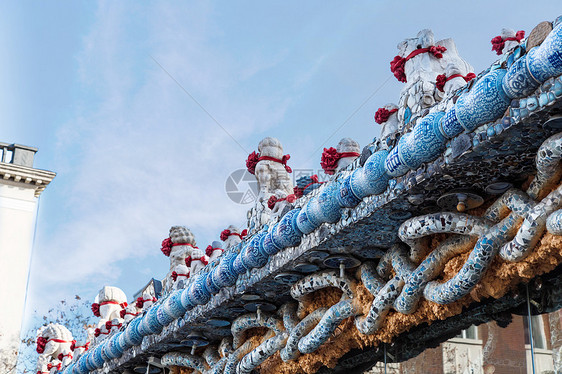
(20, 187)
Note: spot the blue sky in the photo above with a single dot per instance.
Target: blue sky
(135, 154)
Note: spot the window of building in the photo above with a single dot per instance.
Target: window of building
(469, 333)
(539, 338)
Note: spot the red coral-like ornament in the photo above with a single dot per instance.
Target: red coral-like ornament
(96, 309)
(140, 302)
(252, 161)
(437, 51)
(166, 247)
(497, 44)
(382, 115)
(209, 250)
(329, 161)
(440, 82)
(397, 68)
(225, 234)
(41, 343)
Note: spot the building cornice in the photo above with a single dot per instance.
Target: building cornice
(33, 178)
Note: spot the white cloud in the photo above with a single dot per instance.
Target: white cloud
(146, 156)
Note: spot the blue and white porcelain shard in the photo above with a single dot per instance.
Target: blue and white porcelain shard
(305, 181)
(286, 233)
(83, 364)
(90, 362)
(97, 356)
(450, 125)
(163, 317)
(106, 350)
(238, 266)
(371, 179)
(325, 207)
(112, 349)
(122, 343)
(346, 197)
(132, 335)
(303, 223)
(173, 306)
(394, 165)
(150, 324)
(209, 284)
(268, 245)
(518, 82)
(186, 302)
(424, 143)
(485, 102)
(223, 275)
(251, 256)
(545, 61)
(197, 291)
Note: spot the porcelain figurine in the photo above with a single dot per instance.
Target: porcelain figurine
(232, 236)
(53, 345)
(507, 40)
(387, 117)
(270, 168)
(111, 301)
(214, 250)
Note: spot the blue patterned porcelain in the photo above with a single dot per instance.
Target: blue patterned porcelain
(223, 275)
(268, 245)
(97, 356)
(186, 302)
(304, 224)
(346, 197)
(325, 207)
(286, 233)
(251, 255)
(111, 349)
(545, 61)
(425, 142)
(122, 343)
(198, 293)
(210, 285)
(394, 165)
(105, 346)
(150, 322)
(302, 182)
(132, 334)
(90, 363)
(238, 265)
(449, 125)
(371, 179)
(70, 368)
(107, 354)
(173, 306)
(163, 317)
(82, 365)
(518, 82)
(485, 102)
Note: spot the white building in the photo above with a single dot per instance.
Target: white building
(20, 187)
